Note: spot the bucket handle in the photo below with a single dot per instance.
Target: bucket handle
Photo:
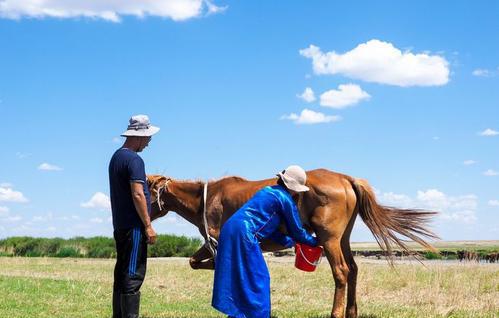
(311, 263)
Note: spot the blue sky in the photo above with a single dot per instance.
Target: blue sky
(405, 96)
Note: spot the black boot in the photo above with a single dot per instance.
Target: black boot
(116, 304)
(130, 304)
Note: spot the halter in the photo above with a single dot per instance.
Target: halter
(210, 242)
(159, 192)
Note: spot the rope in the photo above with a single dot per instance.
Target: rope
(210, 242)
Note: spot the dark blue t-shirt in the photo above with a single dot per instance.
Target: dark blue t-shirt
(126, 166)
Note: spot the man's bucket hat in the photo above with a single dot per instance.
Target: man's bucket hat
(294, 177)
(140, 127)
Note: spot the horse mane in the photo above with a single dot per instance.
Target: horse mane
(229, 178)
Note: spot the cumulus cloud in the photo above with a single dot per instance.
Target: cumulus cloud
(469, 162)
(381, 62)
(455, 208)
(98, 201)
(309, 117)
(9, 195)
(108, 10)
(398, 200)
(489, 132)
(307, 95)
(346, 95)
(49, 167)
(493, 202)
(490, 173)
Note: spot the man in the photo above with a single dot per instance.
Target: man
(131, 205)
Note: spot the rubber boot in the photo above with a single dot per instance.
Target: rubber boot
(130, 304)
(116, 304)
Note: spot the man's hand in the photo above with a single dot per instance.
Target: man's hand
(139, 200)
(151, 235)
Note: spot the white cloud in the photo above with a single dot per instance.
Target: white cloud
(9, 195)
(346, 95)
(108, 10)
(49, 167)
(489, 132)
(96, 220)
(213, 9)
(308, 116)
(493, 202)
(381, 62)
(117, 140)
(490, 173)
(6, 185)
(460, 208)
(455, 208)
(469, 162)
(433, 198)
(98, 201)
(482, 72)
(307, 95)
(398, 200)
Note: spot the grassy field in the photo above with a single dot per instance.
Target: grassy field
(50, 288)
(491, 245)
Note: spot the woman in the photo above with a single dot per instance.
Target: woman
(242, 281)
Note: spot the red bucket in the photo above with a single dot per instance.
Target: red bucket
(307, 257)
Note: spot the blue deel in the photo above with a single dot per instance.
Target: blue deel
(242, 282)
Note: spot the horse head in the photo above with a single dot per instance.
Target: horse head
(158, 187)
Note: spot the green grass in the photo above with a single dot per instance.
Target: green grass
(490, 245)
(48, 287)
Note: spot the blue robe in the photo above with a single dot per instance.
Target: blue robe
(242, 282)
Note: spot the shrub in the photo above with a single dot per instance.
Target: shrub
(68, 251)
(96, 247)
(431, 255)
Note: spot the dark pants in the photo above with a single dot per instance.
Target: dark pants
(131, 261)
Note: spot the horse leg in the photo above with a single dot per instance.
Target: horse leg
(351, 311)
(202, 259)
(341, 272)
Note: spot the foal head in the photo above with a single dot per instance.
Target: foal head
(158, 187)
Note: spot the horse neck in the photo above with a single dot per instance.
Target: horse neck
(188, 196)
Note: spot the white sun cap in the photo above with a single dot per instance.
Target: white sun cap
(139, 126)
(294, 177)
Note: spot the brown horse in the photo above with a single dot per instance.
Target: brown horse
(329, 209)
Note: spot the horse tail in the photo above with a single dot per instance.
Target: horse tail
(386, 222)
